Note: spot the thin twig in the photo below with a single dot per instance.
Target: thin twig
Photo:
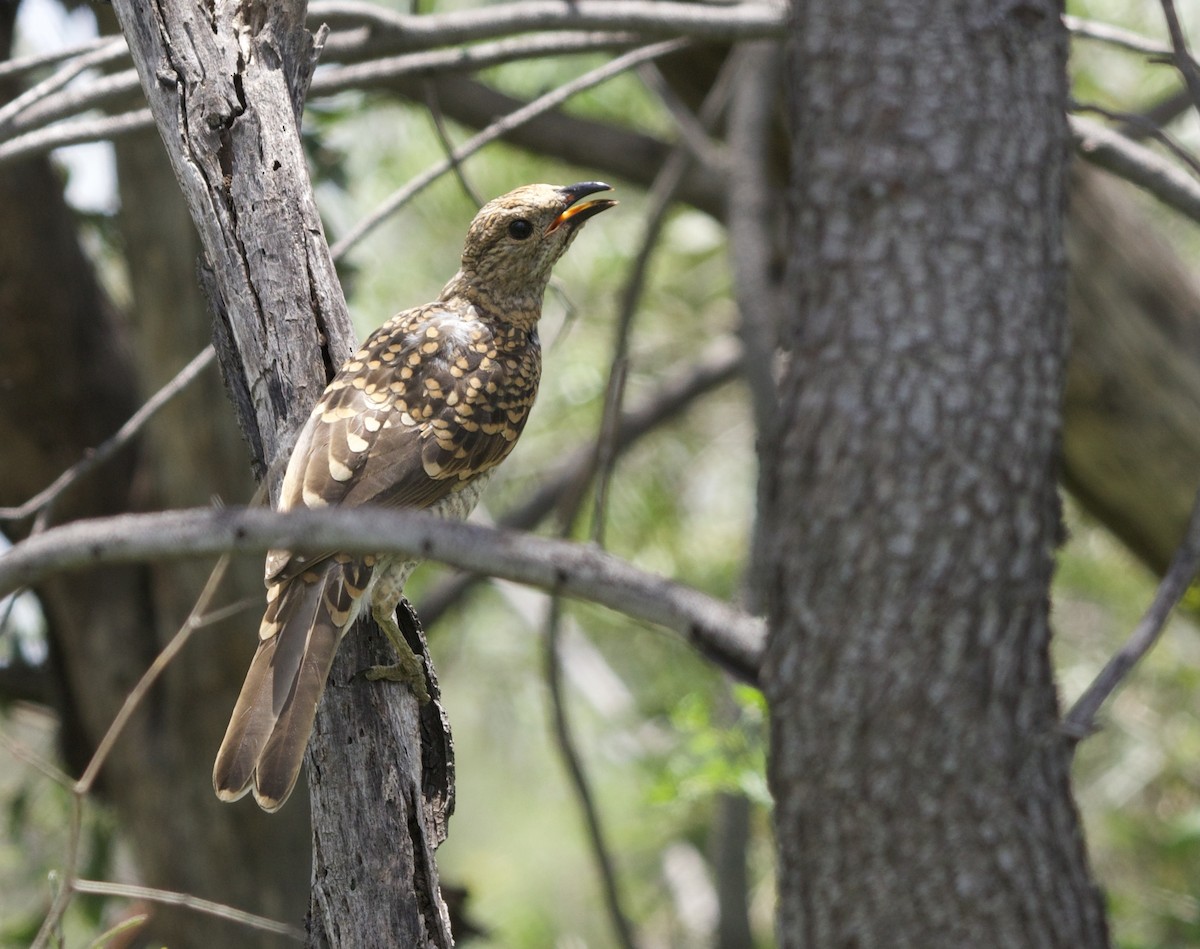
(187, 901)
(1180, 54)
(195, 620)
(662, 194)
(1084, 29)
(443, 134)
(34, 760)
(753, 20)
(15, 67)
(110, 446)
(552, 670)
(718, 630)
(1081, 720)
(62, 899)
(693, 132)
(380, 71)
(497, 129)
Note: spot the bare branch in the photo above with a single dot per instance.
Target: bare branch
(494, 131)
(1180, 54)
(75, 133)
(56, 81)
(1084, 29)
(187, 901)
(1081, 720)
(721, 632)
(573, 760)
(112, 445)
(1137, 165)
(698, 20)
(15, 67)
(1145, 128)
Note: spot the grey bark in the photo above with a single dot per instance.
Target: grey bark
(226, 91)
(921, 783)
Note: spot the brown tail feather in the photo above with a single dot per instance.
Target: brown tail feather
(281, 759)
(269, 729)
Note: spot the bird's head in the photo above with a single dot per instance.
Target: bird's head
(516, 239)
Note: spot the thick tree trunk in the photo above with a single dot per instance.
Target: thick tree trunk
(921, 784)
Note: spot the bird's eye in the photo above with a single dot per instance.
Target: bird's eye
(520, 229)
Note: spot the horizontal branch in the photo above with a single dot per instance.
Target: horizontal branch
(721, 632)
(696, 20)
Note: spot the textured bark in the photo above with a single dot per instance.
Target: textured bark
(922, 788)
(226, 91)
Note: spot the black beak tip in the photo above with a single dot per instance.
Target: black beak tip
(583, 189)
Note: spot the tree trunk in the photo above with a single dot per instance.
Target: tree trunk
(226, 87)
(921, 784)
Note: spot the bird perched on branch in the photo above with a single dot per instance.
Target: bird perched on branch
(419, 417)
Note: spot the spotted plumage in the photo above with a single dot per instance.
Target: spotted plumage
(419, 417)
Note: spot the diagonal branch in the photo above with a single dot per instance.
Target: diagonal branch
(1137, 165)
(718, 630)
(537, 107)
(1081, 720)
(112, 445)
(1181, 55)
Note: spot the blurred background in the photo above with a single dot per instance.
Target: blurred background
(96, 271)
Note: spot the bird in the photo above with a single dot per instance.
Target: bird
(418, 417)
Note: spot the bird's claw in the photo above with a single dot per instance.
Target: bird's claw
(413, 677)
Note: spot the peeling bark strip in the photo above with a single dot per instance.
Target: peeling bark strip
(226, 86)
(921, 780)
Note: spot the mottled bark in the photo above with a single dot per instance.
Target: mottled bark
(922, 787)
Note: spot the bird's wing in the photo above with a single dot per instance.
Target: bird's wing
(428, 403)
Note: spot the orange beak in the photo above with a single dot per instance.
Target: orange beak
(576, 213)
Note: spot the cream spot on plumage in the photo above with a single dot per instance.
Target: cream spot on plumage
(339, 471)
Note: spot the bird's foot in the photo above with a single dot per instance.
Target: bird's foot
(409, 669)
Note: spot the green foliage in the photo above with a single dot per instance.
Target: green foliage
(711, 757)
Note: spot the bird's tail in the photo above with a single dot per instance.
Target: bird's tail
(306, 617)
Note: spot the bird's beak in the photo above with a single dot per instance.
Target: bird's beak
(575, 213)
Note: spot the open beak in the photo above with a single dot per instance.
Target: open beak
(576, 213)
